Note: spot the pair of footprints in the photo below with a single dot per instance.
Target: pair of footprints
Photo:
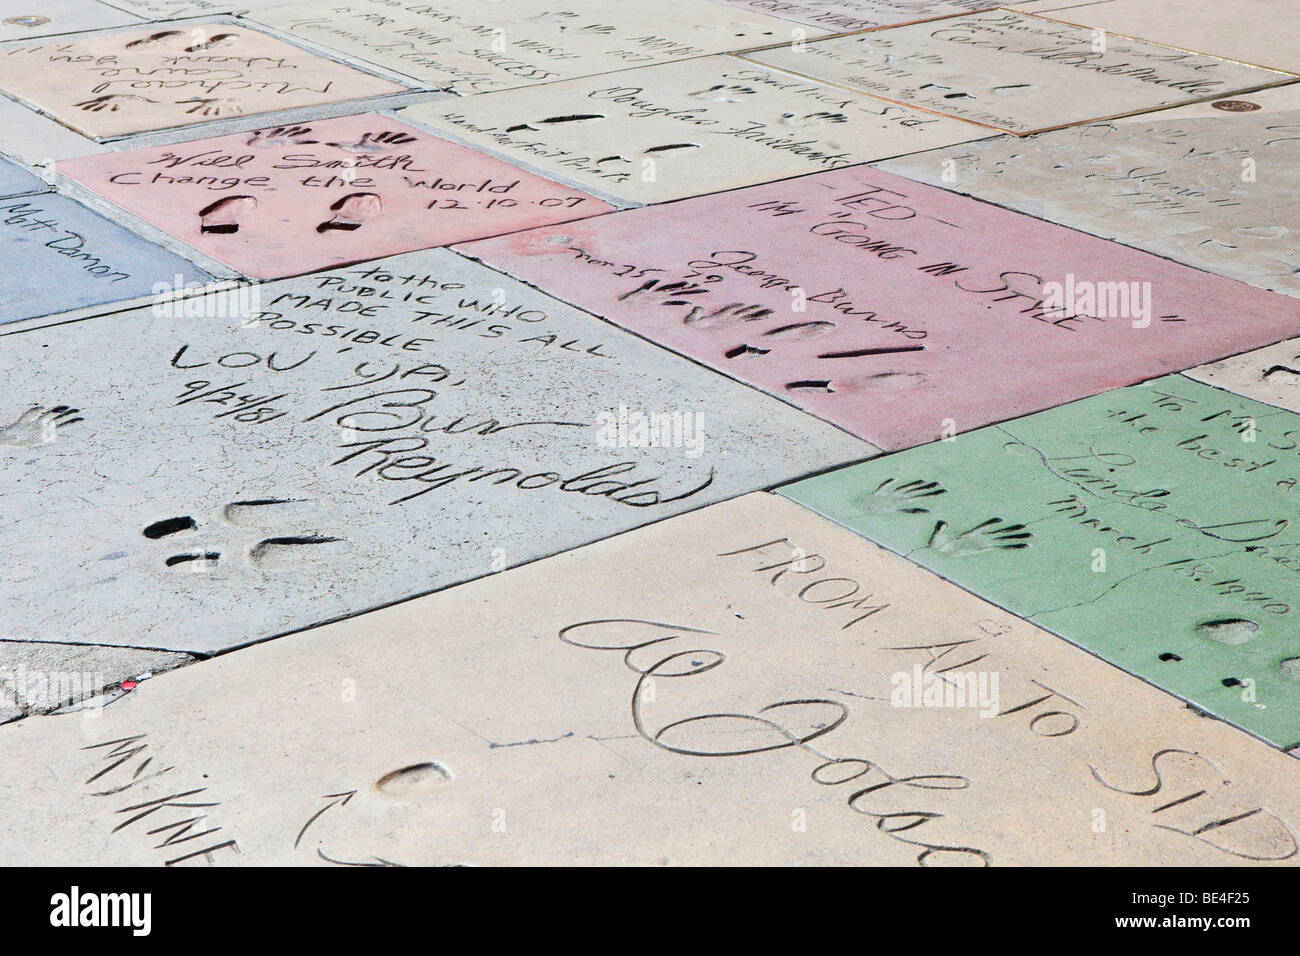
(226, 215)
(276, 553)
(736, 93)
(585, 117)
(894, 497)
(202, 42)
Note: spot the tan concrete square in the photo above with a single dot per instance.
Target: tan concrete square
(167, 75)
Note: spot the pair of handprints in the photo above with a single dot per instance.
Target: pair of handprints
(893, 496)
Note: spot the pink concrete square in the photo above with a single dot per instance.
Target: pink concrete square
(901, 312)
(289, 200)
(167, 75)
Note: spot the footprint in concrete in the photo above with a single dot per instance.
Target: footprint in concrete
(1233, 631)
(414, 780)
(153, 40)
(224, 216)
(170, 526)
(292, 551)
(352, 211)
(182, 525)
(552, 120)
(723, 93)
(194, 560)
(275, 553)
(218, 41)
(891, 381)
(670, 147)
(283, 552)
(259, 512)
(822, 385)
